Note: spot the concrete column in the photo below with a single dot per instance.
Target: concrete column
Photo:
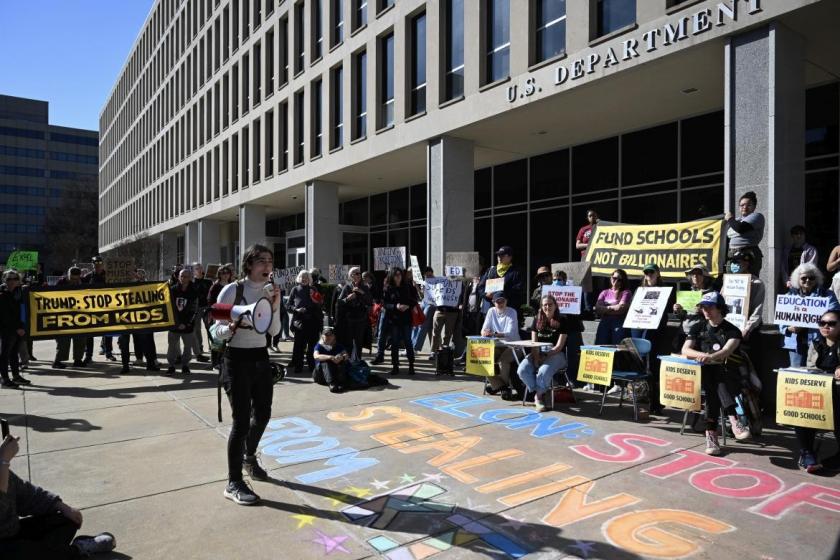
(168, 245)
(324, 245)
(191, 249)
(450, 180)
(521, 38)
(435, 36)
(251, 226)
(765, 134)
(209, 242)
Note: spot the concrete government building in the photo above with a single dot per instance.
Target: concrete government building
(325, 128)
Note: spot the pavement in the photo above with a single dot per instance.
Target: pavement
(423, 467)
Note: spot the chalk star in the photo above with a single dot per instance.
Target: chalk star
(435, 477)
(407, 478)
(340, 497)
(585, 547)
(513, 523)
(329, 543)
(303, 519)
(356, 491)
(380, 485)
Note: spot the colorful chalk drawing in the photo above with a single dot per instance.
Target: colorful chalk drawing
(330, 544)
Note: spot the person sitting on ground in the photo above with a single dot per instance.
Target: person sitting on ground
(798, 252)
(501, 323)
(538, 369)
(806, 280)
(711, 343)
(331, 361)
(35, 523)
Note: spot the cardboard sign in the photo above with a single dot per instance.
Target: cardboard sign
(453, 271)
(800, 311)
(211, 270)
(804, 399)
(493, 285)
(443, 291)
(679, 383)
(415, 269)
(467, 259)
(689, 299)
(22, 261)
(339, 273)
(675, 248)
(287, 277)
(386, 257)
(86, 310)
(480, 356)
(568, 298)
(596, 365)
(119, 270)
(736, 292)
(647, 308)
(578, 273)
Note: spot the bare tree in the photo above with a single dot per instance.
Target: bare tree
(71, 228)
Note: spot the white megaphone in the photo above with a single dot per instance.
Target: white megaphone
(257, 316)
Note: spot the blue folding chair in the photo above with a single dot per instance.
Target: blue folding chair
(632, 378)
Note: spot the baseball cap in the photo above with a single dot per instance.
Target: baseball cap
(504, 250)
(712, 298)
(703, 270)
(499, 296)
(651, 267)
(543, 270)
(96, 259)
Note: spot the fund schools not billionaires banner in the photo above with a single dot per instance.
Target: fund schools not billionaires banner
(58, 312)
(675, 248)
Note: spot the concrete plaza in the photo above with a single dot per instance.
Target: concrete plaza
(423, 467)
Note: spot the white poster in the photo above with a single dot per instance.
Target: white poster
(287, 277)
(453, 271)
(339, 273)
(799, 311)
(415, 270)
(443, 291)
(494, 285)
(647, 308)
(736, 292)
(568, 298)
(386, 257)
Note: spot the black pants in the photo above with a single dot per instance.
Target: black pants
(250, 388)
(142, 347)
(401, 334)
(807, 436)
(41, 536)
(62, 348)
(304, 344)
(9, 358)
(352, 335)
(720, 385)
(330, 373)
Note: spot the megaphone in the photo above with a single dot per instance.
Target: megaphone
(257, 316)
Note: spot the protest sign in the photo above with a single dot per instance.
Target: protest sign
(468, 259)
(493, 285)
(804, 399)
(568, 298)
(799, 311)
(596, 365)
(53, 280)
(736, 293)
(339, 273)
(211, 270)
(578, 273)
(415, 269)
(86, 310)
(119, 270)
(480, 355)
(287, 277)
(453, 271)
(689, 299)
(674, 247)
(647, 308)
(22, 261)
(386, 257)
(679, 383)
(443, 291)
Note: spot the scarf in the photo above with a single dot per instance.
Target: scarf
(501, 269)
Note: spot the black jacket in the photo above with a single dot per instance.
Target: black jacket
(94, 278)
(202, 286)
(185, 306)
(301, 298)
(395, 295)
(10, 310)
(355, 309)
(514, 287)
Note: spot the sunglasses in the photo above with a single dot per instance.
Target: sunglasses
(616, 278)
(806, 278)
(830, 324)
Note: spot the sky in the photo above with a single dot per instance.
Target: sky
(67, 52)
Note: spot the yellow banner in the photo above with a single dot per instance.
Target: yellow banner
(804, 399)
(86, 310)
(679, 383)
(596, 365)
(480, 353)
(674, 247)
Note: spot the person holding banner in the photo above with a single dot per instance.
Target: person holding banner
(354, 303)
(12, 329)
(62, 343)
(538, 369)
(501, 322)
(712, 343)
(611, 307)
(98, 278)
(185, 303)
(513, 287)
(398, 300)
(420, 333)
(823, 354)
(805, 280)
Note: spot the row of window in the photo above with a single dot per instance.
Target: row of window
(40, 154)
(23, 209)
(30, 191)
(54, 136)
(21, 228)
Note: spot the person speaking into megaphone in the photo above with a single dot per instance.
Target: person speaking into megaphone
(246, 371)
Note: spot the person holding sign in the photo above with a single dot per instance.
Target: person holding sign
(712, 342)
(741, 263)
(501, 322)
(824, 354)
(689, 314)
(538, 369)
(806, 280)
(512, 286)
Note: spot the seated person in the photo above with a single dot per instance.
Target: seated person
(538, 369)
(713, 342)
(35, 523)
(501, 322)
(823, 354)
(330, 362)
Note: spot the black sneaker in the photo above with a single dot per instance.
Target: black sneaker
(78, 363)
(240, 493)
(126, 369)
(88, 360)
(152, 367)
(103, 542)
(170, 370)
(336, 389)
(59, 365)
(202, 358)
(9, 384)
(252, 467)
(378, 360)
(185, 370)
(20, 380)
(110, 357)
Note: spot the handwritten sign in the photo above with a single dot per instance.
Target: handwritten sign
(804, 399)
(287, 277)
(415, 269)
(736, 292)
(596, 365)
(443, 291)
(689, 299)
(679, 383)
(454, 271)
(568, 298)
(647, 308)
(799, 311)
(480, 356)
(494, 285)
(467, 259)
(339, 273)
(119, 270)
(384, 258)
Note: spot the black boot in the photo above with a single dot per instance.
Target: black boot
(410, 368)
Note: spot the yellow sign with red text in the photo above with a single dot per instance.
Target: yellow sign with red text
(596, 365)
(480, 356)
(679, 383)
(805, 400)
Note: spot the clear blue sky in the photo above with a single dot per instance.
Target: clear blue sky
(67, 52)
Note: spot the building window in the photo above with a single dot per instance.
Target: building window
(454, 36)
(225, 100)
(284, 51)
(269, 144)
(418, 64)
(498, 40)
(246, 20)
(246, 100)
(337, 85)
(246, 161)
(383, 5)
(258, 12)
(235, 91)
(551, 29)
(256, 151)
(317, 31)
(234, 159)
(613, 15)
(386, 93)
(360, 95)
(299, 135)
(300, 50)
(317, 114)
(257, 74)
(269, 62)
(283, 115)
(359, 13)
(337, 25)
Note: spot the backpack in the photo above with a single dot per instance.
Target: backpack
(444, 361)
(358, 373)
(218, 345)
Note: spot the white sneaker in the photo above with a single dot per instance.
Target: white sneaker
(589, 387)
(740, 431)
(103, 542)
(712, 445)
(538, 402)
(614, 390)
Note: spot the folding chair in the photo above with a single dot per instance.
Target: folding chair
(632, 378)
(722, 420)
